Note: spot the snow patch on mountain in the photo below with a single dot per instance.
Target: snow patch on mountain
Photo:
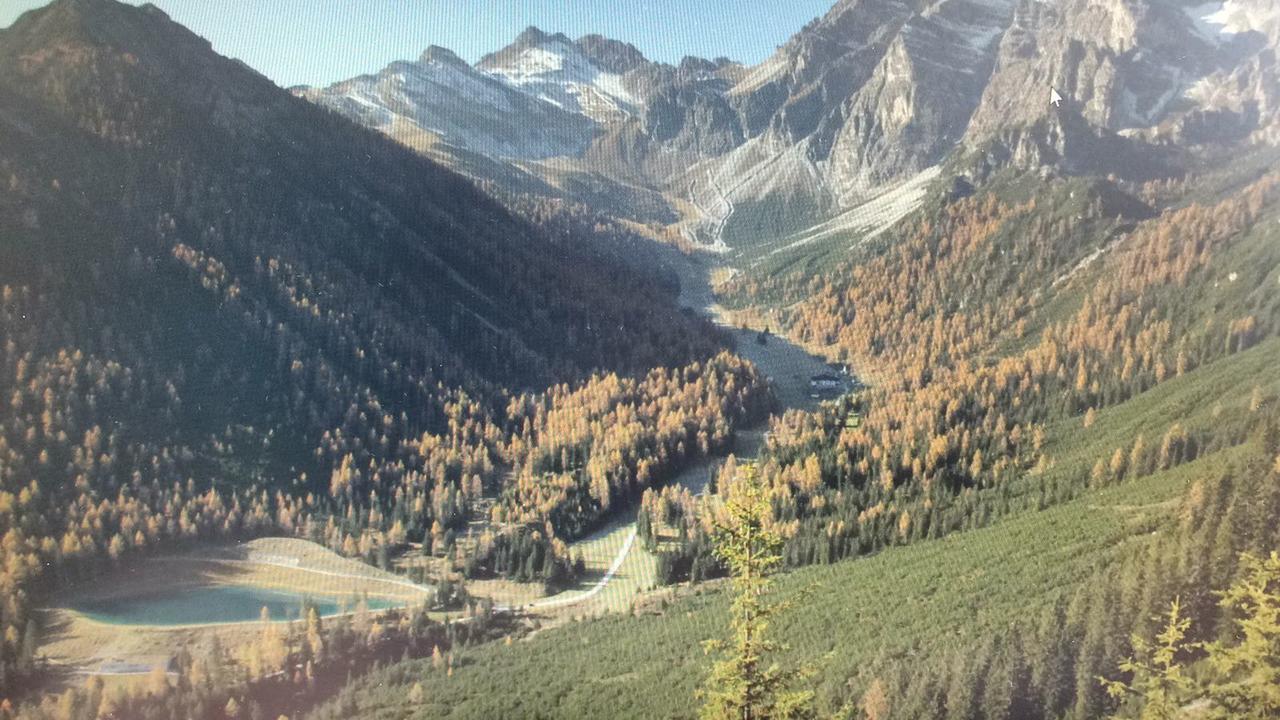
(978, 23)
(557, 72)
(1221, 20)
(468, 109)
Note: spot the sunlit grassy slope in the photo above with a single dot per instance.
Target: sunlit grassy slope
(924, 598)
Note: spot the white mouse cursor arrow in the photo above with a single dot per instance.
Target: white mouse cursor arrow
(1054, 98)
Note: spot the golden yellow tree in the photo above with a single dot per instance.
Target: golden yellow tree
(745, 684)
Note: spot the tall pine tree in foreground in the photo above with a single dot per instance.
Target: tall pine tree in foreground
(1160, 685)
(1243, 679)
(1247, 672)
(745, 684)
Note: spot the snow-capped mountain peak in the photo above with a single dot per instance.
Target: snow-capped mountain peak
(440, 98)
(556, 70)
(434, 54)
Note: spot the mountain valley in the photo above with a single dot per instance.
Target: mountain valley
(956, 318)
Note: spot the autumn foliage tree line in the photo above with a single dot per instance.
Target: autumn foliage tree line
(959, 433)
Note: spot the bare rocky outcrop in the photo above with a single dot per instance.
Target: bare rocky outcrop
(866, 97)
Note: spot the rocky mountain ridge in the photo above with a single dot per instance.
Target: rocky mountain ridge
(859, 101)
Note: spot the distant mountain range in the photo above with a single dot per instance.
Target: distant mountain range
(859, 102)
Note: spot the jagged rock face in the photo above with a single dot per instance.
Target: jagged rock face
(817, 68)
(639, 105)
(1240, 101)
(1064, 139)
(688, 118)
(1241, 104)
(684, 116)
(440, 98)
(545, 96)
(870, 75)
(610, 55)
(1122, 61)
(1156, 71)
(870, 95)
(917, 102)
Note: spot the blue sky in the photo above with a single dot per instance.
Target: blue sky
(320, 41)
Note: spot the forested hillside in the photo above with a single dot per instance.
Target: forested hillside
(227, 311)
(1017, 620)
(994, 328)
(1072, 422)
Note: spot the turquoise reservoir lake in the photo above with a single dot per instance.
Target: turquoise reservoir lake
(216, 604)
